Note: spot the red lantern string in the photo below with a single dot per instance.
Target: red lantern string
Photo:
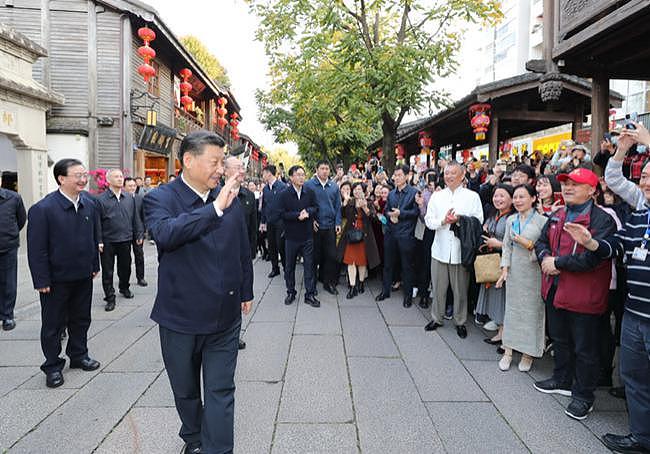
(479, 115)
(186, 99)
(221, 112)
(147, 53)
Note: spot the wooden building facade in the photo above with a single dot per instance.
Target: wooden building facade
(93, 61)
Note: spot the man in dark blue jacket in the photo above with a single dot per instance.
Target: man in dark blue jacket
(298, 206)
(12, 220)
(326, 225)
(205, 281)
(63, 255)
(399, 239)
(272, 217)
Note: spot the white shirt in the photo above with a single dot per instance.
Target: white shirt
(75, 202)
(446, 247)
(298, 191)
(204, 196)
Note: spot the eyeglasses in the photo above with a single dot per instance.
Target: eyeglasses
(79, 176)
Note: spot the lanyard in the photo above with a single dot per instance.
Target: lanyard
(518, 223)
(646, 235)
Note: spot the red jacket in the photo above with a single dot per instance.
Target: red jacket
(583, 283)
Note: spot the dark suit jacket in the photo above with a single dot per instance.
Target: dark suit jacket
(271, 212)
(62, 244)
(139, 209)
(249, 207)
(291, 206)
(205, 270)
(12, 219)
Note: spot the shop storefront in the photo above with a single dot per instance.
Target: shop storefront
(156, 154)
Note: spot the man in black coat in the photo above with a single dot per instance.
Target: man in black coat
(233, 166)
(298, 206)
(130, 186)
(271, 222)
(63, 259)
(119, 226)
(12, 220)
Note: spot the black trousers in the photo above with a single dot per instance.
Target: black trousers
(325, 255)
(423, 262)
(138, 255)
(275, 236)
(576, 347)
(8, 283)
(211, 421)
(67, 304)
(123, 253)
(306, 249)
(405, 249)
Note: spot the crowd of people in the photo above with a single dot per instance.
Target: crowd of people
(541, 252)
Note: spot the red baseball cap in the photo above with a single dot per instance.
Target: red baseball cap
(580, 176)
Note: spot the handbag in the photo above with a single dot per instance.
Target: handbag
(487, 267)
(355, 235)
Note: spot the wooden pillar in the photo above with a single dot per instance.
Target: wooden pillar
(493, 150)
(599, 109)
(93, 143)
(576, 126)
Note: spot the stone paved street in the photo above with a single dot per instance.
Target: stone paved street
(352, 376)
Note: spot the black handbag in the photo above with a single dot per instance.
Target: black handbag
(355, 235)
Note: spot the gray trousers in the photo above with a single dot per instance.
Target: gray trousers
(443, 275)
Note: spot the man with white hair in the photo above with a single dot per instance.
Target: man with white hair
(119, 225)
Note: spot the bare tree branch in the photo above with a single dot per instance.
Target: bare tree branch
(376, 29)
(401, 35)
(400, 117)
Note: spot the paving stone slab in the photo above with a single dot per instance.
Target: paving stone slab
(20, 353)
(322, 320)
(21, 410)
(12, 377)
(315, 438)
(159, 394)
(472, 347)
(365, 333)
(24, 330)
(436, 371)
(396, 314)
(256, 405)
(144, 430)
(602, 422)
(538, 419)
(364, 300)
(85, 419)
(473, 427)
(98, 312)
(266, 353)
(273, 309)
(390, 415)
(142, 356)
(316, 387)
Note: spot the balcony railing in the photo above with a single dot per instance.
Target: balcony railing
(185, 122)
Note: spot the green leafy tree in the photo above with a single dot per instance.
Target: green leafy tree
(380, 58)
(207, 60)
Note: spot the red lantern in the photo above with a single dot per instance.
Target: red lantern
(400, 151)
(479, 115)
(222, 112)
(222, 122)
(255, 156)
(147, 53)
(185, 87)
(425, 139)
(264, 161)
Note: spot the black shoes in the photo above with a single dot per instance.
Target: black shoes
(424, 302)
(552, 386)
(360, 288)
(382, 296)
(312, 301)
(578, 409)
(432, 326)
(191, 448)
(8, 325)
(461, 331)
(274, 273)
(291, 297)
(329, 288)
(110, 305)
(408, 301)
(624, 443)
(242, 345)
(86, 364)
(352, 292)
(142, 283)
(54, 379)
(617, 391)
(487, 340)
(128, 294)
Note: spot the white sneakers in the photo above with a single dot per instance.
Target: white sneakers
(491, 326)
(525, 364)
(504, 363)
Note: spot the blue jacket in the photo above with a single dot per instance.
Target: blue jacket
(404, 201)
(12, 219)
(295, 230)
(62, 244)
(205, 269)
(328, 199)
(271, 212)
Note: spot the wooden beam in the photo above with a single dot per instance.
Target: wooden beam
(577, 121)
(498, 93)
(493, 148)
(93, 142)
(600, 27)
(599, 109)
(531, 115)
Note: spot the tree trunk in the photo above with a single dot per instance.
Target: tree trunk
(389, 130)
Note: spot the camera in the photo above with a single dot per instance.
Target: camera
(630, 120)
